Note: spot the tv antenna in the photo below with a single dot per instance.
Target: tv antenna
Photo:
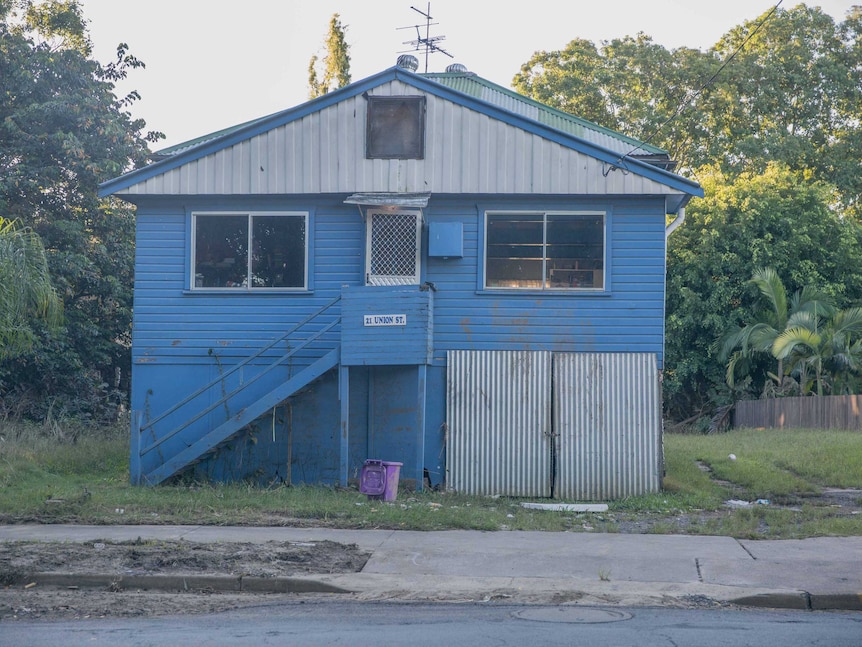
(428, 42)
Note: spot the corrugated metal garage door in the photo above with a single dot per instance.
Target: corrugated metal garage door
(603, 411)
(607, 417)
(499, 418)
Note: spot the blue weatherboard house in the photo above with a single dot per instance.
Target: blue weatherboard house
(422, 268)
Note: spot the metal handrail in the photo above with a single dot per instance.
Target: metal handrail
(235, 368)
(245, 384)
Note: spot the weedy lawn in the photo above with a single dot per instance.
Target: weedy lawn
(808, 482)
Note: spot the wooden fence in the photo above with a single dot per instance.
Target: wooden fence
(812, 412)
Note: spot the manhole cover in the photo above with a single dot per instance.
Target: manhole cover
(579, 615)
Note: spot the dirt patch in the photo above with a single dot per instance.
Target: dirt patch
(149, 557)
(19, 599)
(52, 605)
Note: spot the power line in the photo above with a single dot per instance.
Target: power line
(686, 100)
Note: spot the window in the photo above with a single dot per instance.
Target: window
(545, 251)
(392, 247)
(395, 128)
(278, 245)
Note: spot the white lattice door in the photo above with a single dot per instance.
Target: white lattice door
(392, 247)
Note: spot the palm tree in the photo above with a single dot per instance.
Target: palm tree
(26, 292)
(826, 352)
(740, 345)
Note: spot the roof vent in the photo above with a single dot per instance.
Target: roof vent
(457, 68)
(408, 62)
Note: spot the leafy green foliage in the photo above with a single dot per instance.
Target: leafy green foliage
(768, 121)
(783, 89)
(824, 350)
(631, 85)
(62, 132)
(776, 219)
(336, 62)
(26, 293)
(771, 324)
(791, 94)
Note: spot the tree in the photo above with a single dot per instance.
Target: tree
(768, 121)
(336, 62)
(791, 94)
(631, 85)
(62, 132)
(823, 351)
(26, 292)
(779, 219)
(740, 345)
(785, 87)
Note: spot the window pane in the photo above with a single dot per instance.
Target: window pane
(545, 251)
(395, 128)
(514, 251)
(278, 260)
(575, 251)
(221, 254)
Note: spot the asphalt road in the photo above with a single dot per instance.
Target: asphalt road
(339, 623)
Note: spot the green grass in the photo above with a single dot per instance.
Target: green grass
(46, 478)
(769, 464)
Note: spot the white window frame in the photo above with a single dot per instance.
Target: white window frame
(545, 287)
(250, 215)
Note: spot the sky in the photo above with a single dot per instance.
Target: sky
(211, 64)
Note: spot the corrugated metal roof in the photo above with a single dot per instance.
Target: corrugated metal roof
(184, 146)
(479, 88)
(499, 96)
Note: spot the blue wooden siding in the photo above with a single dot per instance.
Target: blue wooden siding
(173, 322)
(183, 338)
(407, 343)
(628, 318)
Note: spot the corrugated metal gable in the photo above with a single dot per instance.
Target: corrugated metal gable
(466, 152)
(471, 147)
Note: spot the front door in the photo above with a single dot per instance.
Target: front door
(393, 247)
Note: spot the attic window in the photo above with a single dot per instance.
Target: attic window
(395, 128)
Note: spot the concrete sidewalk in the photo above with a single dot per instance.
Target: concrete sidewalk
(547, 567)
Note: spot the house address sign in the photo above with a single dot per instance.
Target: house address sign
(385, 320)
